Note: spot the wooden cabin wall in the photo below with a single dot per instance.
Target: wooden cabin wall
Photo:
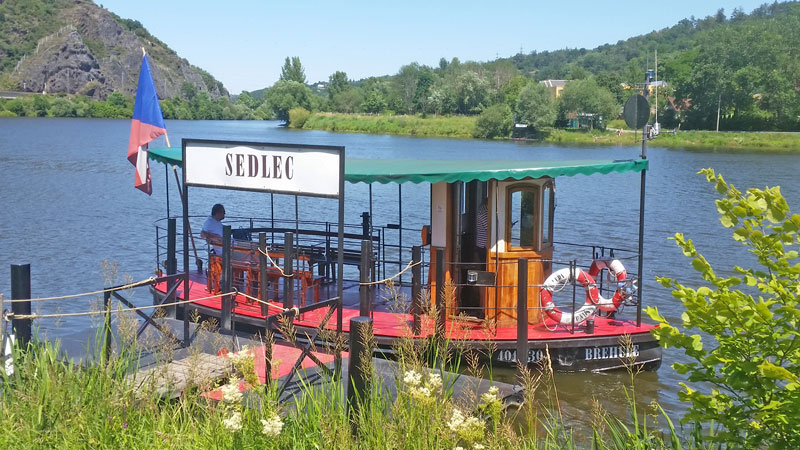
(502, 306)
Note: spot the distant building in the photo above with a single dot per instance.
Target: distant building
(555, 86)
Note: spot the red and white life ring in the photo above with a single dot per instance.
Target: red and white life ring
(561, 278)
(618, 273)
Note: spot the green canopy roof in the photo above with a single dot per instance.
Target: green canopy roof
(433, 171)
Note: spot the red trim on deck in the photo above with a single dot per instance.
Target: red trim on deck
(395, 325)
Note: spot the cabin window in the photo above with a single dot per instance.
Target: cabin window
(522, 223)
(547, 215)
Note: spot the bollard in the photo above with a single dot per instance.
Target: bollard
(440, 293)
(227, 280)
(358, 380)
(288, 262)
(522, 312)
(365, 307)
(416, 290)
(262, 272)
(21, 289)
(172, 264)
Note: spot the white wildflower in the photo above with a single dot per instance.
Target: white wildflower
(478, 446)
(235, 422)
(434, 382)
(241, 357)
(456, 420)
(491, 395)
(412, 378)
(272, 426)
(230, 392)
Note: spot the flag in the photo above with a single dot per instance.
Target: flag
(147, 125)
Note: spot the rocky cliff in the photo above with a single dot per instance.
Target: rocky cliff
(93, 52)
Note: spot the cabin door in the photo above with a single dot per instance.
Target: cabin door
(469, 237)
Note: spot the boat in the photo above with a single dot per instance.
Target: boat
(485, 270)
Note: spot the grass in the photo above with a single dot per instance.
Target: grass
(462, 127)
(401, 125)
(783, 142)
(49, 403)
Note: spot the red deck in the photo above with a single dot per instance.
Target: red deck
(394, 325)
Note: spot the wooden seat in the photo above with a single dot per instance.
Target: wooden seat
(214, 273)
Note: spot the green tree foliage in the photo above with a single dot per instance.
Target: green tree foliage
(472, 92)
(292, 70)
(338, 83)
(285, 95)
(298, 117)
(536, 107)
(494, 122)
(586, 97)
(349, 101)
(744, 374)
(511, 90)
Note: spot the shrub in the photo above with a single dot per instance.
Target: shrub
(298, 117)
(495, 121)
(746, 376)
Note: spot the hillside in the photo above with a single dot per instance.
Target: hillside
(77, 47)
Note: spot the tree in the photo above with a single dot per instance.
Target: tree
(292, 70)
(586, 97)
(745, 371)
(472, 92)
(495, 121)
(337, 83)
(349, 101)
(285, 95)
(375, 102)
(247, 100)
(535, 106)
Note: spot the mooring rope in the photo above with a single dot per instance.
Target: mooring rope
(94, 313)
(275, 265)
(410, 265)
(270, 305)
(84, 294)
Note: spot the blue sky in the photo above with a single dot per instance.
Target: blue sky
(243, 43)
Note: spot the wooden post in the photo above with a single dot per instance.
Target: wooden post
(269, 339)
(365, 307)
(21, 289)
(440, 293)
(225, 321)
(107, 325)
(522, 312)
(172, 263)
(288, 262)
(262, 272)
(416, 289)
(358, 382)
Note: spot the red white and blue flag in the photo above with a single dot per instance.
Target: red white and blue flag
(147, 125)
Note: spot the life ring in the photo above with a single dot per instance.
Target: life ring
(618, 273)
(562, 277)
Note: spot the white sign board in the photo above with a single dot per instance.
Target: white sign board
(304, 170)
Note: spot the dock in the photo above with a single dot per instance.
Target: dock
(167, 370)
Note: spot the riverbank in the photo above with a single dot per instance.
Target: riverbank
(462, 127)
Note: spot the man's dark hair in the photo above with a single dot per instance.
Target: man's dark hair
(218, 208)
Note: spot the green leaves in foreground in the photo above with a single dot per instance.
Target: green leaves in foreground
(745, 370)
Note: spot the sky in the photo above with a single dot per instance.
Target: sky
(244, 43)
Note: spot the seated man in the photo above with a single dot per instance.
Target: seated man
(212, 228)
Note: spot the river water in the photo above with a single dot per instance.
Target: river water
(70, 210)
